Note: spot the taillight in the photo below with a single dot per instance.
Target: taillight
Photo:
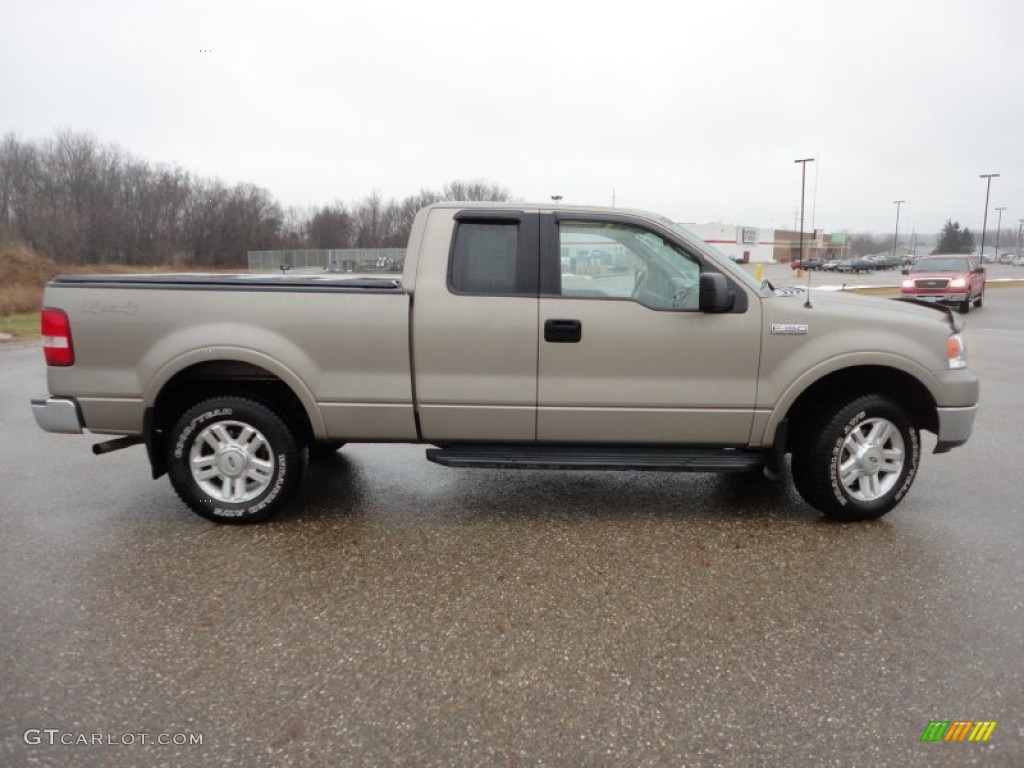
(56, 330)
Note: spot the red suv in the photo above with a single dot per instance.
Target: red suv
(946, 278)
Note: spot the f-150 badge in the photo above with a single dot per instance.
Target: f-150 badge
(788, 329)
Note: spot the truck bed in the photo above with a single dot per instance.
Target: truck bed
(186, 281)
(343, 346)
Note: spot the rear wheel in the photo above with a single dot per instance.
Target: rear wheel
(233, 460)
(857, 462)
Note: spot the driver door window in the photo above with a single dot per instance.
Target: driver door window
(606, 260)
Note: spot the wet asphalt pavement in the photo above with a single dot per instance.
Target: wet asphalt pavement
(402, 613)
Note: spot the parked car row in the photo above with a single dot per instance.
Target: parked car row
(859, 264)
(872, 263)
(1005, 258)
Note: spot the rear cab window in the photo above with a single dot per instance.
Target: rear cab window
(494, 254)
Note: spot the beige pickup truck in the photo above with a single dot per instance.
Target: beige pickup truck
(519, 336)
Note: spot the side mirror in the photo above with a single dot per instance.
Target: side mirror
(715, 293)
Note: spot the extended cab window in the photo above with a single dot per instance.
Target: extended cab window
(485, 258)
(608, 260)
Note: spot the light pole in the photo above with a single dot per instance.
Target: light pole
(998, 227)
(803, 187)
(895, 237)
(1020, 233)
(984, 222)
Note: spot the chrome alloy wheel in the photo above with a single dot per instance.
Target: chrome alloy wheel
(871, 459)
(232, 462)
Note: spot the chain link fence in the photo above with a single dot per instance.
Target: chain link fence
(363, 260)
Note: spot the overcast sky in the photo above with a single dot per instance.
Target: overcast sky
(693, 110)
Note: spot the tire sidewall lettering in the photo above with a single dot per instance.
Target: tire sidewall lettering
(911, 466)
(837, 452)
(282, 472)
(186, 433)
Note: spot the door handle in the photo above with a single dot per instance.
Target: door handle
(563, 331)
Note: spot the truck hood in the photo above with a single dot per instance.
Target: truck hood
(940, 275)
(853, 303)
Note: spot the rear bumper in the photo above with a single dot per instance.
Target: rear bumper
(57, 414)
(955, 425)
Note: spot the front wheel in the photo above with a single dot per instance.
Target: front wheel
(857, 462)
(233, 460)
(980, 300)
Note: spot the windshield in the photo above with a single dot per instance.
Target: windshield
(945, 264)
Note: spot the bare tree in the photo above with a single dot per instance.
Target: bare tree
(78, 201)
(866, 243)
(477, 189)
(331, 226)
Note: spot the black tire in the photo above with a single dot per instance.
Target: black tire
(250, 476)
(965, 306)
(825, 444)
(980, 300)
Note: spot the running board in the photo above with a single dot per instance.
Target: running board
(597, 458)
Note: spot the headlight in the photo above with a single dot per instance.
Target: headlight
(908, 283)
(958, 282)
(956, 352)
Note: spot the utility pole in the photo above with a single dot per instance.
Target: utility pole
(984, 221)
(1020, 233)
(998, 227)
(898, 203)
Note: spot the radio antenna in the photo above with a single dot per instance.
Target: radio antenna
(803, 188)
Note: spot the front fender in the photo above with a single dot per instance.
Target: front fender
(808, 378)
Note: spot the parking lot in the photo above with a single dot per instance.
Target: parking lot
(405, 613)
(784, 275)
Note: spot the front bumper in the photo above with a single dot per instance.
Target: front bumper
(955, 425)
(57, 414)
(956, 297)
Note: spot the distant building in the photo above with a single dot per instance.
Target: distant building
(753, 244)
(741, 243)
(817, 245)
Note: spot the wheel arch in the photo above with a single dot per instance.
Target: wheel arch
(224, 377)
(904, 389)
